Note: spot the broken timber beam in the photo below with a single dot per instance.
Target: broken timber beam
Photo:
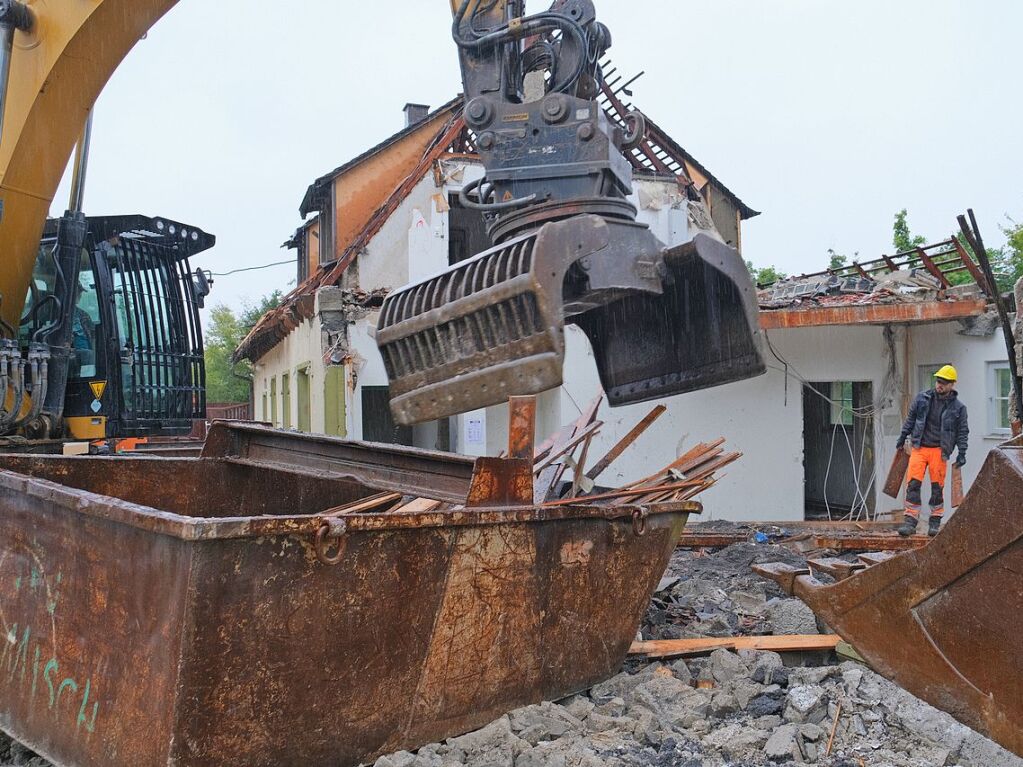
(674, 648)
(696, 540)
(870, 542)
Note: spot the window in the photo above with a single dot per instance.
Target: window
(85, 324)
(841, 403)
(999, 391)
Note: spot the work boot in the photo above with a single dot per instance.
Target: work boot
(908, 526)
(933, 525)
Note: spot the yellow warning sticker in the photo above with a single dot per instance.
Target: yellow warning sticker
(98, 387)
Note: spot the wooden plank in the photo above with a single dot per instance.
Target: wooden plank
(559, 453)
(957, 486)
(870, 542)
(419, 506)
(683, 462)
(896, 474)
(625, 442)
(549, 476)
(694, 540)
(673, 648)
(616, 494)
(366, 504)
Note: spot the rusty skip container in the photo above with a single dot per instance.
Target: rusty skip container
(183, 612)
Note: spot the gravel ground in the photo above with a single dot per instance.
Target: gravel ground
(728, 709)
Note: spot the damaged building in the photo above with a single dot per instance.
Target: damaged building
(845, 351)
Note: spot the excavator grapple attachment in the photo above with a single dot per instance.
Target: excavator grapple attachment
(660, 321)
(702, 331)
(943, 621)
(489, 328)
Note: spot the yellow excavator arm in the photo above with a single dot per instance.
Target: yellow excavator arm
(58, 68)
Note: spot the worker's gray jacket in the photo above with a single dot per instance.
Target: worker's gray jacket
(955, 428)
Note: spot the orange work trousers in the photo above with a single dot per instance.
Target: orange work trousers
(926, 460)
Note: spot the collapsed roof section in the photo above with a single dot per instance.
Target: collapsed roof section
(932, 283)
(442, 132)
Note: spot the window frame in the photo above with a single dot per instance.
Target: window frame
(840, 414)
(994, 426)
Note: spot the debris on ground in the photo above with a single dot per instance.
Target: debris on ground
(725, 709)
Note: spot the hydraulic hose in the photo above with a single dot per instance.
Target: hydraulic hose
(527, 27)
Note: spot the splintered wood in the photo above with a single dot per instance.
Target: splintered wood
(681, 480)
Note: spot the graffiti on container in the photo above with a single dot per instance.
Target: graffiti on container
(30, 664)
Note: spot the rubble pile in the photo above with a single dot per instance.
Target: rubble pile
(725, 709)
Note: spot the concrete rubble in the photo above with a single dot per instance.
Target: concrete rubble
(726, 709)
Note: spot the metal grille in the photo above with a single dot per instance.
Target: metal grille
(158, 320)
(485, 303)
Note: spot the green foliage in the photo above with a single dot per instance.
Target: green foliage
(902, 238)
(1012, 254)
(228, 381)
(1007, 261)
(767, 275)
(836, 260)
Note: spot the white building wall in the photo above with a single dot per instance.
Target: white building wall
(300, 349)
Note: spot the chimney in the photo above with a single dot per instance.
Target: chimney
(415, 113)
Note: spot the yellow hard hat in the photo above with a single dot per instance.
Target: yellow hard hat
(948, 373)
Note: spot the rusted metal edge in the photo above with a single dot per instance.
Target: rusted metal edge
(409, 470)
(200, 529)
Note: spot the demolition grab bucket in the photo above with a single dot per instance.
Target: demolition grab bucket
(164, 611)
(660, 321)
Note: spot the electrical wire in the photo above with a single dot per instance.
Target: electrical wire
(251, 268)
(867, 413)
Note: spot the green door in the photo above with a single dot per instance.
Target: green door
(286, 400)
(304, 405)
(334, 401)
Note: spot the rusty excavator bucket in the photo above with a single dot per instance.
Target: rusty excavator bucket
(661, 321)
(944, 621)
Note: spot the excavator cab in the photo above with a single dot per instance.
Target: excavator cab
(111, 330)
(567, 245)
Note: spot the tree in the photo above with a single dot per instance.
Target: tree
(836, 260)
(1012, 254)
(226, 380)
(1007, 261)
(767, 275)
(902, 238)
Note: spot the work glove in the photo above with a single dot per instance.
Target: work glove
(908, 448)
(945, 458)
(961, 461)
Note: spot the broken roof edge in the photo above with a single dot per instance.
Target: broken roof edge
(915, 313)
(314, 193)
(662, 137)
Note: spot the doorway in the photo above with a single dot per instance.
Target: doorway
(838, 450)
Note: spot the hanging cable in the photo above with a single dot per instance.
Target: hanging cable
(251, 268)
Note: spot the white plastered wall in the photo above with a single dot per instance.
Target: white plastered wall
(300, 349)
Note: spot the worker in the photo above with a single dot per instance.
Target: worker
(936, 425)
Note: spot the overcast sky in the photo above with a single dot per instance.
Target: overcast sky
(826, 116)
